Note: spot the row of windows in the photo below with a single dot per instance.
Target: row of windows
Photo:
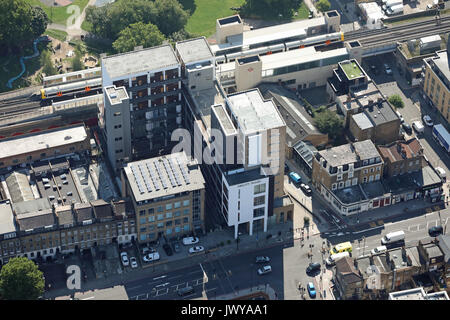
(162, 216)
(168, 231)
(160, 225)
(168, 206)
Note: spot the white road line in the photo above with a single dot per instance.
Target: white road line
(134, 288)
(88, 298)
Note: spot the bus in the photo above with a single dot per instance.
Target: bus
(295, 177)
(341, 247)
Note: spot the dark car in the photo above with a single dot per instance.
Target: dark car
(435, 231)
(185, 291)
(167, 249)
(313, 267)
(407, 128)
(374, 69)
(286, 168)
(262, 259)
(176, 246)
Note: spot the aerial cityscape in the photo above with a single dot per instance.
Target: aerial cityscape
(224, 150)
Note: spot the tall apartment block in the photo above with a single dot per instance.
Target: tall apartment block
(115, 121)
(152, 80)
(242, 147)
(436, 83)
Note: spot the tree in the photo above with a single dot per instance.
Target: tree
(20, 279)
(15, 23)
(329, 122)
(396, 101)
(77, 63)
(47, 65)
(171, 17)
(138, 34)
(39, 21)
(323, 5)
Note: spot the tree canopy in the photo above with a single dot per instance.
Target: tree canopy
(138, 34)
(15, 23)
(329, 122)
(39, 21)
(108, 21)
(20, 279)
(323, 5)
(396, 101)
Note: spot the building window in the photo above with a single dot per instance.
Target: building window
(260, 188)
(169, 206)
(169, 231)
(160, 225)
(186, 203)
(168, 215)
(365, 171)
(341, 185)
(364, 179)
(185, 211)
(160, 209)
(151, 219)
(350, 174)
(186, 227)
(151, 211)
(177, 204)
(177, 213)
(334, 186)
(259, 212)
(160, 216)
(185, 220)
(339, 177)
(257, 201)
(141, 212)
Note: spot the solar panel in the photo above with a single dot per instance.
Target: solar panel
(184, 172)
(138, 179)
(146, 181)
(169, 173)
(163, 180)
(153, 176)
(177, 176)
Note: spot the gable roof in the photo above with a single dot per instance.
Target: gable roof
(347, 270)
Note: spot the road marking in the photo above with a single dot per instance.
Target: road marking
(161, 277)
(88, 298)
(162, 285)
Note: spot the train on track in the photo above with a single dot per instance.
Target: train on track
(326, 39)
(70, 90)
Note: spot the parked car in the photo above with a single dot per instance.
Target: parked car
(306, 189)
(311, 14)
(185, 291)
(427, 120)
(147, 250)
(262, 259)
(151, 257)
(124, 258)
(133, 262)
(264, 270)
(435, 231)
(313, 267)
(387, 69)
(400, 116)
(176, 247)
(311, 290)
(374, 69)
(378, 250)
(407, 128)
(167, 249)
(196, 249)
(190, 240)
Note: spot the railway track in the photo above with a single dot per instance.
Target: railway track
(359, 35)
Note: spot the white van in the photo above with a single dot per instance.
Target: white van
(331, 261)
(418, 126)
(441, 172)
(393, 237)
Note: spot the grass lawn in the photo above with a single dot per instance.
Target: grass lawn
(57, 34)
(59, 14)
(205, 12)
(351, 70)
(302, 12)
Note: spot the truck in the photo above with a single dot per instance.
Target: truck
(393, 238)
(391, 3)
(331, 261)
(397, 9)
(442, 136)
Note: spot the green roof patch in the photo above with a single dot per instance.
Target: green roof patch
(351, 69)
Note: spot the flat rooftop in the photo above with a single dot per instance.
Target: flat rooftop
(116, 95)
(442, 63)
(6, 218)
(253, 113)
(163, 176)
(350, 194)
(362, 121)
(194, 50)
(351, 69)
(224, 119)
(414, 180)
(134, 62)
(282, 31)
(293, 57)
(380, 113)
(348, 153)
(41, 141)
